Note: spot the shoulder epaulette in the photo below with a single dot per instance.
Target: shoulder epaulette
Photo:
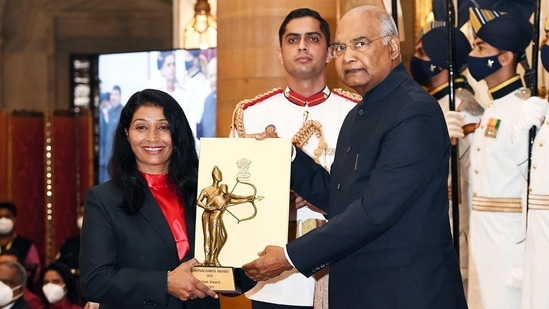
(260, 97)
(523, 93)
(347, 95)
(238, 113)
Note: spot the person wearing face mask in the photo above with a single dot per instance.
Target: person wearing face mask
(536, 269)
(498, 164)
(429, 67)
(13, 278)
(32, 299)
(9, 239)
(193, 64)
(59, 288)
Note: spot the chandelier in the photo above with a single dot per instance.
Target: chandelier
(201, 31)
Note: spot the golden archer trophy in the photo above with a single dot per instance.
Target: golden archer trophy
(222, 208)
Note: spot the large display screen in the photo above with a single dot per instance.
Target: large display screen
(190, 76)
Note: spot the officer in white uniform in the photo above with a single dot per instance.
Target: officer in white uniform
(429, 67)
(311, 114)
(535, 112)
(498, 166)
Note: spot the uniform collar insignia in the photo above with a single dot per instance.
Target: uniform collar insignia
(505, 88)
(313, 100)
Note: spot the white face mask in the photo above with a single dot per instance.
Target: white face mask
(6, 226)
(79, 222)
(53, 292)
(6, 294)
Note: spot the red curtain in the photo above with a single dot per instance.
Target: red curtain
(4, 156)
(25, 174)
(45, 170)
(65, 179)
(72, 164)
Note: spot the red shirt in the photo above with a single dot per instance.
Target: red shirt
(172, 208)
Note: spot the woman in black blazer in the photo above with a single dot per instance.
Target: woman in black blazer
(137, 239)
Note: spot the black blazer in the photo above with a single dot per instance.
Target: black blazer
(20, 304)
(124, 259)
(388, 240)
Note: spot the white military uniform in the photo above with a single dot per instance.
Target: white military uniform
(498, 182)
(198, 88)
(181, 95)
(274, 111)
(535, 291)
(471, 120)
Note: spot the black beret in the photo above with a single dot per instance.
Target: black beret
(501, 30)
(435, 45)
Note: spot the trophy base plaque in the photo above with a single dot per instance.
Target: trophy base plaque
(225, 280)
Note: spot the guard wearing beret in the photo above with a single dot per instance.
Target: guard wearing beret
(498, 164)
(429, 67)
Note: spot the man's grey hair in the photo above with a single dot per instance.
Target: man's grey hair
(387, 27)
(22, 272)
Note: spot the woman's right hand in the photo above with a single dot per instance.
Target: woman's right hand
(91, 305)
(183, 285)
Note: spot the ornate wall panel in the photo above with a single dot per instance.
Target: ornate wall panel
(61, 187)
(4, 193)
(26, 170)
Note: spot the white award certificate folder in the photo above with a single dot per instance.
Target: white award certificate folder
(242, 199)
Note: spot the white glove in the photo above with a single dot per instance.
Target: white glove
(515, 278)
(530, 114)
(455, 122)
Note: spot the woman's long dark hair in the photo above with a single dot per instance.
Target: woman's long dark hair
(183, 167)
(73, 293)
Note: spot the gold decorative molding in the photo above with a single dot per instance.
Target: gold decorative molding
(423, 15)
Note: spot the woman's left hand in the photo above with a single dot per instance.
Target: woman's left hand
(183, 285)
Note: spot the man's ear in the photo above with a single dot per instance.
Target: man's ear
(506, 57)
(280, 56)
(328, 56)
(394, 48)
